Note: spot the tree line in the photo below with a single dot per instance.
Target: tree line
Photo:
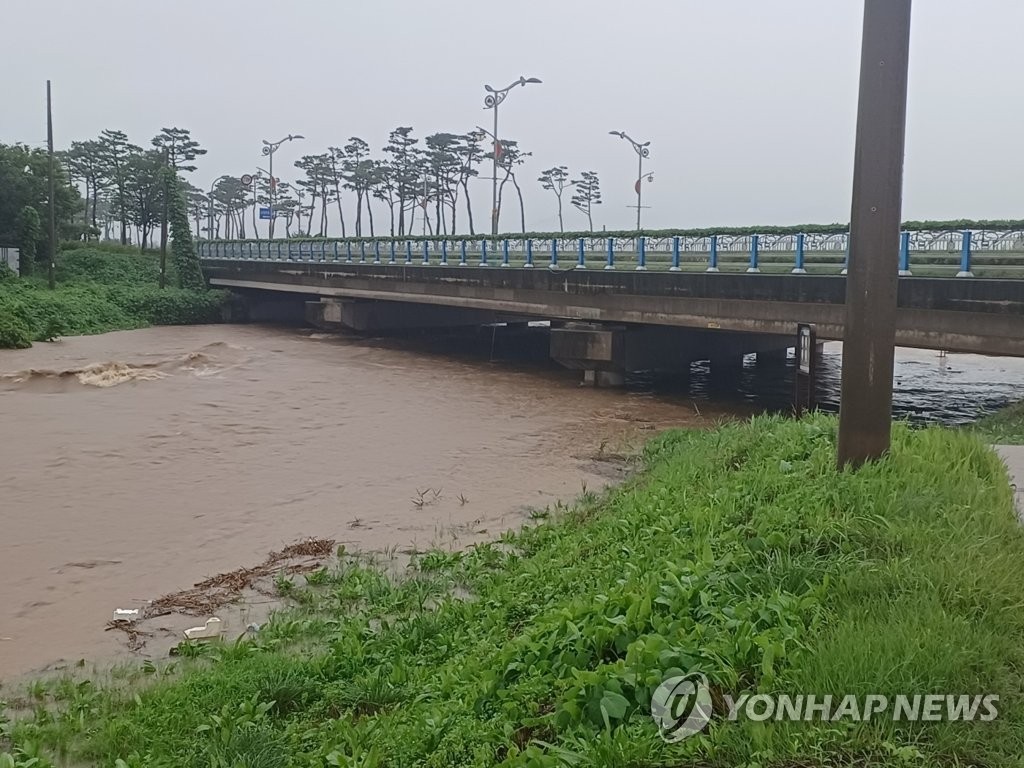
(407, 187)
(137, 194)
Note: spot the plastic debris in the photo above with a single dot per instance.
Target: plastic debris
(211, 629)
(126, 614)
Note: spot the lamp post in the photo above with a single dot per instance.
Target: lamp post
(642, 151)
(209, 225)
(493, 98)
(269, 148)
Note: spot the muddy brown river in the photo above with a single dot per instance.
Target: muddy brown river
(137, 463)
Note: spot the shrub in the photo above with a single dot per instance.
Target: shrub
(14, 333)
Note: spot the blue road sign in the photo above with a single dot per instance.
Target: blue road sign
(265, 213)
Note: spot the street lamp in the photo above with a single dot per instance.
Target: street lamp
(269, 148)
(493, 98)
(209, 226)
(642, 151)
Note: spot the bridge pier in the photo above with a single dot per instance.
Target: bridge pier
(605, 353)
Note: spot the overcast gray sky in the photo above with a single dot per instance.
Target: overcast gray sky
(749, 104)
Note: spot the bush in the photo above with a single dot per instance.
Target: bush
(14, 333)
(99, 290)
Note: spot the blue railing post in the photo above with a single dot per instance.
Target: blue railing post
(249, 255)
(965, 255)
(581, 257)
(376, 251)
(323, 250)
(362, 251)
(288, 250)
(905, 254)
(462, 247)
(279, 251)
(529, 254)
(798, 268)
(348, 251)
(610, 263)
(713, 254)
(554, 254)
(675, 255)
(846, 257)
(394, 256)
(408, 251)
(504, 252)
(641, 253)
(755, 244)
(444, 253)
(426, 252)
(335, 257)
(483, 253)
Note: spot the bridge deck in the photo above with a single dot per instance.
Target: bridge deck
(978, 315)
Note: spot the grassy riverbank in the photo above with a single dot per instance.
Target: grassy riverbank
(741, 553)
(98, 289)
(1004, 427)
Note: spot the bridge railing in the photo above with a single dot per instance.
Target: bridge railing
(983, 253)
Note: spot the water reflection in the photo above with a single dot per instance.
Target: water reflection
(928, 387)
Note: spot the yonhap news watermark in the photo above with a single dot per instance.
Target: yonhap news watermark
(683, 706)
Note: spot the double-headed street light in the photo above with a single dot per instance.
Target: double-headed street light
(493, 98)
(642, 151)
(269, 148)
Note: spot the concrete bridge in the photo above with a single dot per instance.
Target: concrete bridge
(606, 322)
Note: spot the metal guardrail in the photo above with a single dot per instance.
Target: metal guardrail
(999, 253)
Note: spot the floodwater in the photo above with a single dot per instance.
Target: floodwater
(135, 464)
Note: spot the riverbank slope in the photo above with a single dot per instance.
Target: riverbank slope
(739, 553)
(99, 288)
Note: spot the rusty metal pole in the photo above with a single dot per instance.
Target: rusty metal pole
(869, 336)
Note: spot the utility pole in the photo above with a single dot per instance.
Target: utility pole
(869, 335)
(164, 172)
(53, 191)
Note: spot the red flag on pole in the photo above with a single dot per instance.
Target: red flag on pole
(636, 187)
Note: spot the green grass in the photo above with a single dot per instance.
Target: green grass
(98, 289)
(741, 553)
(1004, 427)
